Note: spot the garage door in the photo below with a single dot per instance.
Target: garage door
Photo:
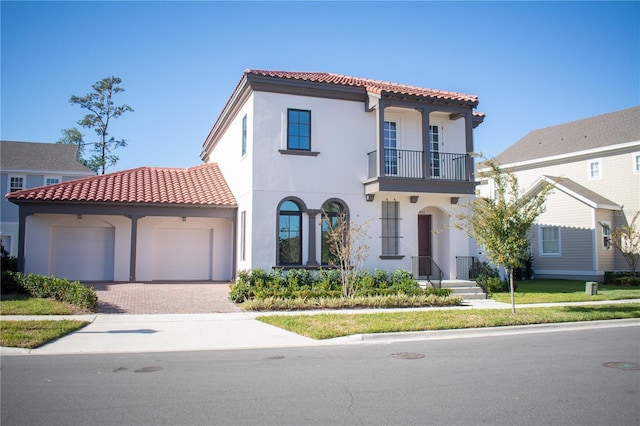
(182, 254)
(82, 253)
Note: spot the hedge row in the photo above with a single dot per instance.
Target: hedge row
(361, 302)
(62, 290)
(257, 284)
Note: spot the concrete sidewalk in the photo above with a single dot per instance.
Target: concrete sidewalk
(123, 333)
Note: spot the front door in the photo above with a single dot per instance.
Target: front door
(424, 245)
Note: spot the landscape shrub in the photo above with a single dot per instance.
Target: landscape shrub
(626, 281)
(9, 264)
(62, 290)
(257, 284)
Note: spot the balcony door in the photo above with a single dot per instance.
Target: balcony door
(424, 245)
(434, 149)
(390, 148)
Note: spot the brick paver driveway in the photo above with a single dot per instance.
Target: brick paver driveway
(201, 297)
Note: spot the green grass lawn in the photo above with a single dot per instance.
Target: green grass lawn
(31, 334)
(327, 326)
(549, 291)
(24, 305)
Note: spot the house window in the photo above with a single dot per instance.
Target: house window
(16, 183)
(595, 171)
(244, 135)
(299, 129)
(332, 213)
(636, 162)
(550, 240)
(390, 228)
(434, 147)
(606, 235)
(290, 234)
(390, 148)
(243, 235)
(51, 180)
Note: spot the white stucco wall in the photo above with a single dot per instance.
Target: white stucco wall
(342, 134)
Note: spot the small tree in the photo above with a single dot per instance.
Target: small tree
(626, 239)
(501, 224)
(348, 250)
(102, 110)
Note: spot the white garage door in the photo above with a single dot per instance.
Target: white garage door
(182, 254)
(82, 253)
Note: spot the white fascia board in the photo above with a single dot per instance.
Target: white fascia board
(48, 172)
(571, 193)
(609, 148)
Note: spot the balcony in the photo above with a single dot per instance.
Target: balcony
(417, 171)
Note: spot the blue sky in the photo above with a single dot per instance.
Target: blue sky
(532, 64)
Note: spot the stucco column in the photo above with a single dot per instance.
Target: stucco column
(468, 119)
(133, 245)
(313, 260)
(22, 222)
(380, 138)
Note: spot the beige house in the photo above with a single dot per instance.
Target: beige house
(594, 164)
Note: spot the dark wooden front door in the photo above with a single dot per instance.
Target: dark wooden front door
(424, 245)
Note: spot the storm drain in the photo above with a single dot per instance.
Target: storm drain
(623, 365)
(406, 355)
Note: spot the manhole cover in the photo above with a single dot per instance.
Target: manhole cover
(623, 365)
(406, 355)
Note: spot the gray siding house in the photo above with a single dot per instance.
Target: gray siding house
(27, 165)
(594, 164)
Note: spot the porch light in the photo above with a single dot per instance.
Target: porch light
(413, 199)
(79, 216)
(370, 197)
(184, 218)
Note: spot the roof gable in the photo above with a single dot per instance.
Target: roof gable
(575, 190)
(582, 135)
(202, 185)
(42, 157)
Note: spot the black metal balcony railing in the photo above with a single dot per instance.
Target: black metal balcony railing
(404, 163)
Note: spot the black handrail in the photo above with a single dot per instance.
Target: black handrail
(425, 268)
(404, 163)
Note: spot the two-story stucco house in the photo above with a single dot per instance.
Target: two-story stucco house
(29, 164)
(295, 147)
(594, 164)
(287, 150)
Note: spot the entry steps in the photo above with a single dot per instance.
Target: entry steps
(463, 288)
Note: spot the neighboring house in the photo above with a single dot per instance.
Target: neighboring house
(293, 148)
(594, 164)
(26, 165)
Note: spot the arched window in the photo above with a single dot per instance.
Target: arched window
(332, 213)
(290, 234)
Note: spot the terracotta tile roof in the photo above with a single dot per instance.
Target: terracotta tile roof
(374, 86)
(201, 185)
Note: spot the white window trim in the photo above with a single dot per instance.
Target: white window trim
(24, 181)
(603, 225)
(634, 163)
(594, 161)
(540, 242)
(44, 181)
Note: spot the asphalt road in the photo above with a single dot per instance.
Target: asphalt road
(557, 378)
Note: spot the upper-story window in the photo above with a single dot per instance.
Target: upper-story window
(390, 148)
(434, 146)
(50, 180)
(636, 162)
(16, 183)
(299, 129)
(595, 169)
(244, 135)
